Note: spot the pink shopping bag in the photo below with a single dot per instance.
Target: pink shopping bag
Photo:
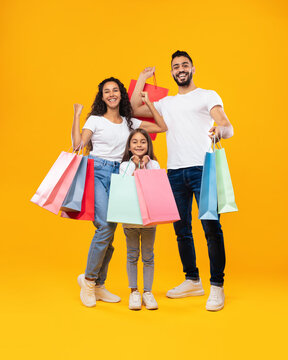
(156, 200)
(88, 200)
(53, 189)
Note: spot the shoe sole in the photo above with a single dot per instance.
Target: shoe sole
(107, 300)
(81, 295)
(215, 309)
(135, 308)
(187, 294)
(148, 307)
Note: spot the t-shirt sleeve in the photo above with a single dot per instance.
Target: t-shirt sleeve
(158, 106)
(152, 164)
(213, 100)
(136, 123)
(123, 166)
(90, 124)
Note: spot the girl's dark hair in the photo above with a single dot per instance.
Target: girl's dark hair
(127, 153)
(100, 108)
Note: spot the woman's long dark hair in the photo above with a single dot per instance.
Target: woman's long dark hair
(100, 108)
(127, 153)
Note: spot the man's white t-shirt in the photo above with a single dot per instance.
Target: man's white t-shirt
(188, 120)
(109, 139)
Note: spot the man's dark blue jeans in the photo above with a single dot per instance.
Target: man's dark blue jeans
(184, 183)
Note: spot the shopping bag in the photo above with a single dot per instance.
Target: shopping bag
(208, 191)
(123, 205)
(73, 199)
(225, 193)
(88, 201)
(155, 93)
(157, 203)
(53, 189)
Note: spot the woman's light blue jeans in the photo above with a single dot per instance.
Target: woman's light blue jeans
(101, 249)
(147, 238)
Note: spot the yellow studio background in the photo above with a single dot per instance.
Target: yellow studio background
(54, 54)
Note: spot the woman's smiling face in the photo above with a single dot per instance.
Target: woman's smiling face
(111, 94)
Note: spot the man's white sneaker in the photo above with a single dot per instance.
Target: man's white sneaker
(149, 301)
(216, 299)
(135, 300)
(87, 293)
(187, 288)
(103, 294)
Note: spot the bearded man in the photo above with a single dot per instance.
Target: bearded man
(190, 116)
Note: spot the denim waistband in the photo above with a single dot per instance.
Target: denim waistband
(104, 162)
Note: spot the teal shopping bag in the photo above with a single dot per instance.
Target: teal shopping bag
(208, 191)
(123, 204)
(225, 193)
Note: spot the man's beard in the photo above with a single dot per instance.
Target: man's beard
(185, 83)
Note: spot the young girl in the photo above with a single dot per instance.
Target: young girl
(139, 147)
(108, 126)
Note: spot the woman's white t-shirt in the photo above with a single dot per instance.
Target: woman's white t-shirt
(109, 139)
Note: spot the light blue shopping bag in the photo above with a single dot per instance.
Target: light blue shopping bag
(73, 199)
(123, 205)
(208, 192)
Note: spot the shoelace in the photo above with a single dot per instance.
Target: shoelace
(90, 288)
(149, 294)
(213, 295)
(149, 297)
(136, 296)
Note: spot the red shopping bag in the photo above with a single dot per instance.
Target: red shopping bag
(53, 189)
(87, 208)
(155, 93)
(156, 199)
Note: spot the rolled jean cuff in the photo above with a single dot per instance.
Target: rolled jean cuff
(90, 278)
(217, 284)
(146, 289)
(133, 287)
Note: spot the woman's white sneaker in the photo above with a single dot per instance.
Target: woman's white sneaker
(149, 301)
(216, 298)
(135, 300)
(187, 288)
(103, 294)
(87, 293)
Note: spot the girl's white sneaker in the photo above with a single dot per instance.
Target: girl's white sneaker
(149, 301)
(135, 300)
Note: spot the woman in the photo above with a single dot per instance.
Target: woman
(108, 126)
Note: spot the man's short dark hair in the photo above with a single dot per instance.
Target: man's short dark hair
(181, 53)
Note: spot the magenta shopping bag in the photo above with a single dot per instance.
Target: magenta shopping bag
(156, 199)
(53, 189)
